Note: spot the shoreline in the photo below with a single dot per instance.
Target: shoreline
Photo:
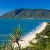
(33, 31)
(31, 36)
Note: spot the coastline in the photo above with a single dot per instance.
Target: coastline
(33, 31)
(31, 36)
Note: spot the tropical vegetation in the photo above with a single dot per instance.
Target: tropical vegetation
(43, 41)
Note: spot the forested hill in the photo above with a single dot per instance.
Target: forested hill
(28, 13)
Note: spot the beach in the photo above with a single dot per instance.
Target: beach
(26, 39)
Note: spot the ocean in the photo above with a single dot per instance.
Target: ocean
(7, 26)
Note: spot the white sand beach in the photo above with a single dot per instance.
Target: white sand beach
(30, 36)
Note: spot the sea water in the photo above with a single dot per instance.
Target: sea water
(7, 26)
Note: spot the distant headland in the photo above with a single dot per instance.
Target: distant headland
(28, 13)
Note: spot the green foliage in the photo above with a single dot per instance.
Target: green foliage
(8, 45)
(28, 13)
(47, 47)
(11, 47)
(3, 46)
(42, 43)
(16, 33)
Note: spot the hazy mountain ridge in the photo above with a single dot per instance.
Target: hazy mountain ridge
(28, 13)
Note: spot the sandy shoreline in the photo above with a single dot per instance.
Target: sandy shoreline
(30, 36)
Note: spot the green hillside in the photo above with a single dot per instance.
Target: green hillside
(28, 13)
(43, 40)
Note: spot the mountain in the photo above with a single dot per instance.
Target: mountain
(28, 13)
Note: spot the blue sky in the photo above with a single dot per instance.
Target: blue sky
(9, 5)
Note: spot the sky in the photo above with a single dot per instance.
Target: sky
(9, 5)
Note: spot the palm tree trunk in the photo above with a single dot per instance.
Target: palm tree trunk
(18, 45)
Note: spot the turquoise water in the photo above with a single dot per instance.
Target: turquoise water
(7, 26)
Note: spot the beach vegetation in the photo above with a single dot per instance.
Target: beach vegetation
(43, 41)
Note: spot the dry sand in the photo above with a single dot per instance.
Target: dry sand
(30, 36)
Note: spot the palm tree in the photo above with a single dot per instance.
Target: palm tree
(16, 36)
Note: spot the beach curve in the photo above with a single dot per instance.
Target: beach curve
(30, 36)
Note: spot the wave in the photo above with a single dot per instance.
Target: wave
(29, 33)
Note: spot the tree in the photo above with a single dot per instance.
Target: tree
(16, 36)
